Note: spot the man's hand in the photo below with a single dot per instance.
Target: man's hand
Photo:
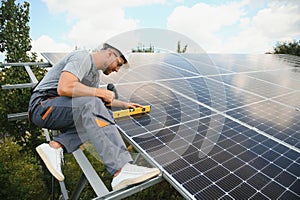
(132, 105)
(123, 104)
(107, 96)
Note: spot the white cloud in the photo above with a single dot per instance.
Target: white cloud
(92, 22)
(90, 32)
(249, 34)
(76, 8)
(279, 20)
(202, 21)
(248, 41)
(249, 25)
(95, 21)
(47, 44)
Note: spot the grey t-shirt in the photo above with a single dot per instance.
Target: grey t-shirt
(79, 63)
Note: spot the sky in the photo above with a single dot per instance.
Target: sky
(218, 26)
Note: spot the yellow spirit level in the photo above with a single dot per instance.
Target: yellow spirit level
(131, 111)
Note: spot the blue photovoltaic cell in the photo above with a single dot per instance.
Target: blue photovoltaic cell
(219, 128)
(291, 99)
(278, 77)
(255, 86)
(272, 118)
(205, 89)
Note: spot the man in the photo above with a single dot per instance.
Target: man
(68, 99)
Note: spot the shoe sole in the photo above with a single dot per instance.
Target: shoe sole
(137, 180)
(48, 165)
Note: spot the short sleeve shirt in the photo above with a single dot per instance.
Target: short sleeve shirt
(79, 63)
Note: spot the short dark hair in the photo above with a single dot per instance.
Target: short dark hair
(108, 46)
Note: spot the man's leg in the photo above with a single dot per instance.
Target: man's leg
(88, 113)
(92, 122)
(95, 123)
(48, 114)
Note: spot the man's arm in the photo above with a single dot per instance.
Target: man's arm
(70, 86)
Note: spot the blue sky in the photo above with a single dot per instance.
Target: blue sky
(218, 26)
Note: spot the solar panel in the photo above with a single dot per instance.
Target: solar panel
(223, 130)
(53, 58)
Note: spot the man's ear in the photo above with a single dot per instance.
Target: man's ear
(110, 56)
(110, 53)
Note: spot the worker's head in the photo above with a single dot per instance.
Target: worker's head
(116, 51)
(115, 59)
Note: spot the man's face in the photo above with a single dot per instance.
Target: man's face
(115, 65)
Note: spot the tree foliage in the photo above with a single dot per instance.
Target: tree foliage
(14, 31)
(16, 44)
(20, 175)
(18, 138)
(292, 48)
(179, 50)
(142, 49)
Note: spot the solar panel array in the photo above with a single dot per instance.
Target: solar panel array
(223, 126)
(225, 129)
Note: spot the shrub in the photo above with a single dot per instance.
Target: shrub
(20, 175)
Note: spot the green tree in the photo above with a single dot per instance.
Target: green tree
(14, 31)
(20, 176)
(142, 49)
(16, 43)
(179, 50)
(292, 48)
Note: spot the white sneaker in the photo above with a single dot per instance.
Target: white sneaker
(133, 174)
(52, 158)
